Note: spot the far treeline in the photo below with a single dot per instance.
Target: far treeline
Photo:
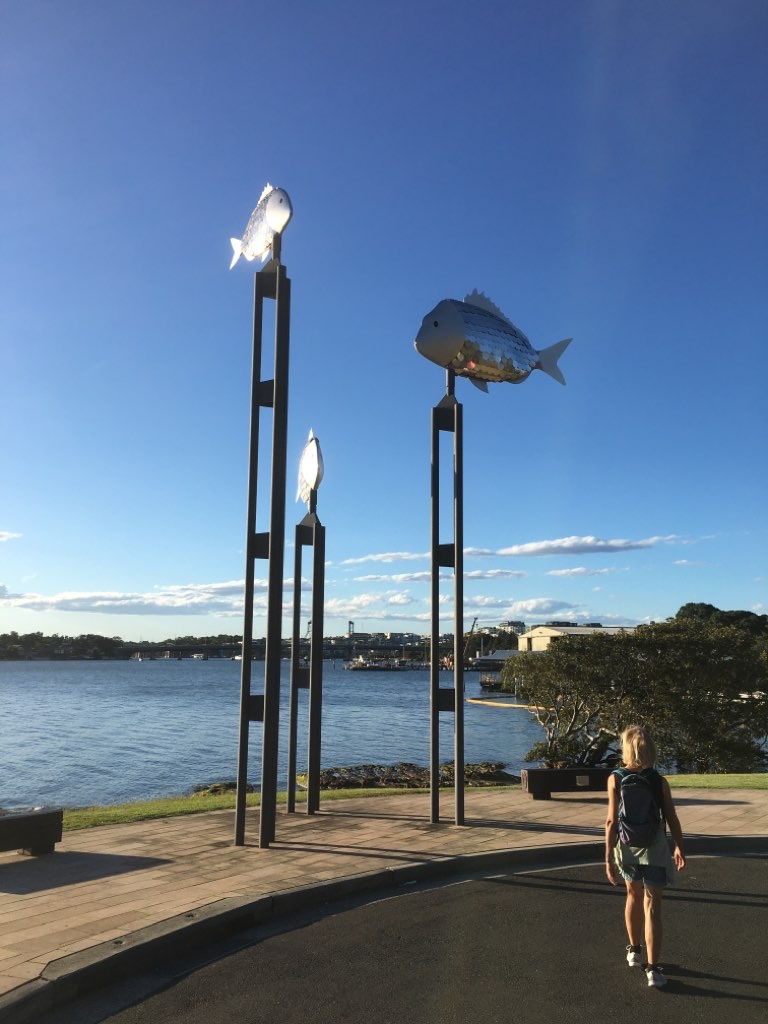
(15, 646)
(698, 681)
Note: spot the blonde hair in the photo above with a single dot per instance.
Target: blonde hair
(637, 747)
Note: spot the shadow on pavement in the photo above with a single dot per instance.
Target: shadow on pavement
(60, 869)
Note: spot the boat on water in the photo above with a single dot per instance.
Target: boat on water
(490, 681)
(363, 664)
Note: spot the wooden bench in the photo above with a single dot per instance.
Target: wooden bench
(31, 832)
(541, 783)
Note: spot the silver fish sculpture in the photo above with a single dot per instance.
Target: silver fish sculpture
(269, 218)
(477, 341)
(311, 468)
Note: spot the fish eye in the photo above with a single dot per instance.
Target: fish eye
(434, 323)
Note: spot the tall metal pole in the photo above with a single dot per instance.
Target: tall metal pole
(271, 282)
(298, 673)
(309, 532)
(314, 728)
(447, 416)
(458, 613)
(267, 817)
(434, 658)
(247, 711)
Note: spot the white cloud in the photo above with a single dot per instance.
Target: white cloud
(400, 577)
(180, 599)
(581, 571)
(539, 606)
(494, 574)
(425, 576)
(585, 546)
(387, 556)
(536, 606)
(342, 606)
(7, 535)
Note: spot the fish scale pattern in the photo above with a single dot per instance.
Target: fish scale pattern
(497, 350)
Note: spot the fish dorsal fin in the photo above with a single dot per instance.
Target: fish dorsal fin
(267, 189)
(476, 298)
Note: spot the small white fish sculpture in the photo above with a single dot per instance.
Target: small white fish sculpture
(477, 341)
(272, 213)
(310, 468)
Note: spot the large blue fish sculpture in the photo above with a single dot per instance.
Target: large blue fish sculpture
(475, 340)
(269, 218)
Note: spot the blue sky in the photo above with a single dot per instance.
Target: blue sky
(596, 167)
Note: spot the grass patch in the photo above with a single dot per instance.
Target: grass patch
(756, 781)
(198, 803)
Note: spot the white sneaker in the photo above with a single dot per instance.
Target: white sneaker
(634, 959)
(655, 978)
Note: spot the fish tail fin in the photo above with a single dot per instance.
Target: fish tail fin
(548, 358)
(237, 251)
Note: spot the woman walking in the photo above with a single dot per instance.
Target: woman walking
(636, 847)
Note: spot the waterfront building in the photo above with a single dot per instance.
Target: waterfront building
(538, 638)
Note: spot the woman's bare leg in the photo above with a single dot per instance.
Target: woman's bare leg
(653, 926)
(634, 912)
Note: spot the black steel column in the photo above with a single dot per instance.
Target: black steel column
(447, 416)
(271, 282)
(276, 559)
(261, 394)
(309, 533)
(434, 657)
(458, 612)
(299, 672)
(316, 667)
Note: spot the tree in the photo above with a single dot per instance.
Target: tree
(699, 686)
(750, 622)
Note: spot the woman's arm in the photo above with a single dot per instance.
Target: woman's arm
(674, 825)
(611, 830)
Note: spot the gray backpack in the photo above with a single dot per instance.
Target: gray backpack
(640, 801)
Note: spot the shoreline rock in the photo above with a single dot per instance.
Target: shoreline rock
(402, 775)
(405, 775)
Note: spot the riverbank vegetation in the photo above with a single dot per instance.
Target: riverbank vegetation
(698, 681)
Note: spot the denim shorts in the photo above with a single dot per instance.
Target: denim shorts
(648, 874)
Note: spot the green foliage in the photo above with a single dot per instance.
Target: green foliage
(489, 642)
(698, 685)
(749, 622)
(55, 648)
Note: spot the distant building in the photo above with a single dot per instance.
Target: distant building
(513, 627)
(539, 637)
(493, 662)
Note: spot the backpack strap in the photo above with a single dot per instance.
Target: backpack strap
(656, 780)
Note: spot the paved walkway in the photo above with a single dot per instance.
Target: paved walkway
(113, 890)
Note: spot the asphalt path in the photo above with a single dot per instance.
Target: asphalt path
(532, 947)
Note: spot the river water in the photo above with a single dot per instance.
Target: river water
(77, 733)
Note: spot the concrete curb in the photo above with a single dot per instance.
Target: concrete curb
(72, 976)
